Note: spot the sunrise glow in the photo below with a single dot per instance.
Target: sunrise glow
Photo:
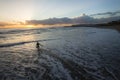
(39, 13)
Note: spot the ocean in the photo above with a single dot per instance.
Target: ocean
(67, 53)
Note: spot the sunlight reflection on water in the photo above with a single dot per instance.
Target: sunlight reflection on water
(87, 49)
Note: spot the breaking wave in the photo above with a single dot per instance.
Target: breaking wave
(25, 42)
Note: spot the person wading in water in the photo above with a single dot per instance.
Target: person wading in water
(37, 45)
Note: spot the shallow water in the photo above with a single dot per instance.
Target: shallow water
(79, 53)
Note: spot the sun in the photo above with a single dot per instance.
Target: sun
(29, 26)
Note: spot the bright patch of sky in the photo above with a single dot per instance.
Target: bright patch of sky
(21, 10)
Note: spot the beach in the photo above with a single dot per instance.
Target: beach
(67, 53)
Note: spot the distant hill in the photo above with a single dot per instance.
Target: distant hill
(111, 25)
(114, 23)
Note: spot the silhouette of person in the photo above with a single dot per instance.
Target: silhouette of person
(37, 45)
(39, 48)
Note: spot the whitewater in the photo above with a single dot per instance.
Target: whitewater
(67, 53)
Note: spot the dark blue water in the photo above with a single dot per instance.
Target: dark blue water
(79, 53)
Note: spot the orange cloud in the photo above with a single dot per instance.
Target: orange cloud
(18, 25)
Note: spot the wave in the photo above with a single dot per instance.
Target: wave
(14, 31)
(21, 43)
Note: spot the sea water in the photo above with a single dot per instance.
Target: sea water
(67, 53)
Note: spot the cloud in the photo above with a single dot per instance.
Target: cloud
(109, 19)
(85, 19)
(107, 13)
(8, 24)
(4, 24)
(50, 21)
(65, 20)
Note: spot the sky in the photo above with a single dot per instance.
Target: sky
(13, 11)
